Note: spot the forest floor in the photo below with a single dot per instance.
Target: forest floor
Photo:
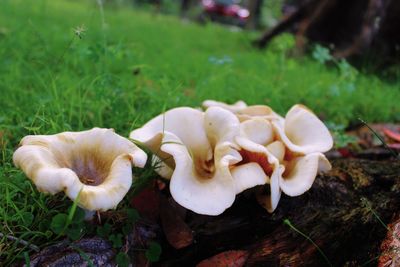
(72, 65)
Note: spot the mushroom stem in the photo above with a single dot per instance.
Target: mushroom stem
(89, 214)
(98, 216)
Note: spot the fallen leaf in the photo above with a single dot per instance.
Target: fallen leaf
(230, 258)
(345, 152)
(177, 232)
(147, 203)
(392, 134)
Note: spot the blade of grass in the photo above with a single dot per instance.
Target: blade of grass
(288, 223)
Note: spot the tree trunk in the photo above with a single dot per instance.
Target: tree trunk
(184, 7)
(254, 6)
(352, 28)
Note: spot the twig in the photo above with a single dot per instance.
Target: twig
(20, 241)
(394, 153)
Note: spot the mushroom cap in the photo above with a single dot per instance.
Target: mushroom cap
(99, 157)
(243, 111)
(197, 192)
(277, 149)
(302, 131)
(258, 111)
(270, 201)
(257, 130)
(248, 175)
(239, 105)
(220, 125)
(300, 175)
(187, 124)
(269, 163)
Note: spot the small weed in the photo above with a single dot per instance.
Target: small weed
(394, 153)
(341, 139)
(122, 259)
(153, 252)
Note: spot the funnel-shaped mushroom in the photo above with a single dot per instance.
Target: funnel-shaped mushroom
(239, 105)
(97, 163)
(258, 111)
(264, 165)
(187, 124)
(300, 173)
(302, 131)
(205, 191)
(203, 151)
(245, 112)
(257, 130)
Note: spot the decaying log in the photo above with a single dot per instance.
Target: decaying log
(343, 214)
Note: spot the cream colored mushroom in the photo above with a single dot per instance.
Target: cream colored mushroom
(239, 105)
(264, 164)
(301, 173)
(204, 155)
(187, 124)
(245, 112)
(258, 130)
(258, 111)
(300, 170)
(97, 163)
(302, 131)
(298, 163)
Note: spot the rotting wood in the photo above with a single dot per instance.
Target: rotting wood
(341, 214)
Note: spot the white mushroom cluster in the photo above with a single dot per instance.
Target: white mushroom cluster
(209, 157)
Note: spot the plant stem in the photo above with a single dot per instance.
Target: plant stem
(20, 241)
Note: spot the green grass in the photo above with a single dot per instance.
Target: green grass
(128, 67)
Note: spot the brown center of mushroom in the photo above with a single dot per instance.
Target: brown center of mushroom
(91, 170)
(259, 158)
(204, 169)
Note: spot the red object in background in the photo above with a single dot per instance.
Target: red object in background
(345, 152)
(228, 10)
(395, 136)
